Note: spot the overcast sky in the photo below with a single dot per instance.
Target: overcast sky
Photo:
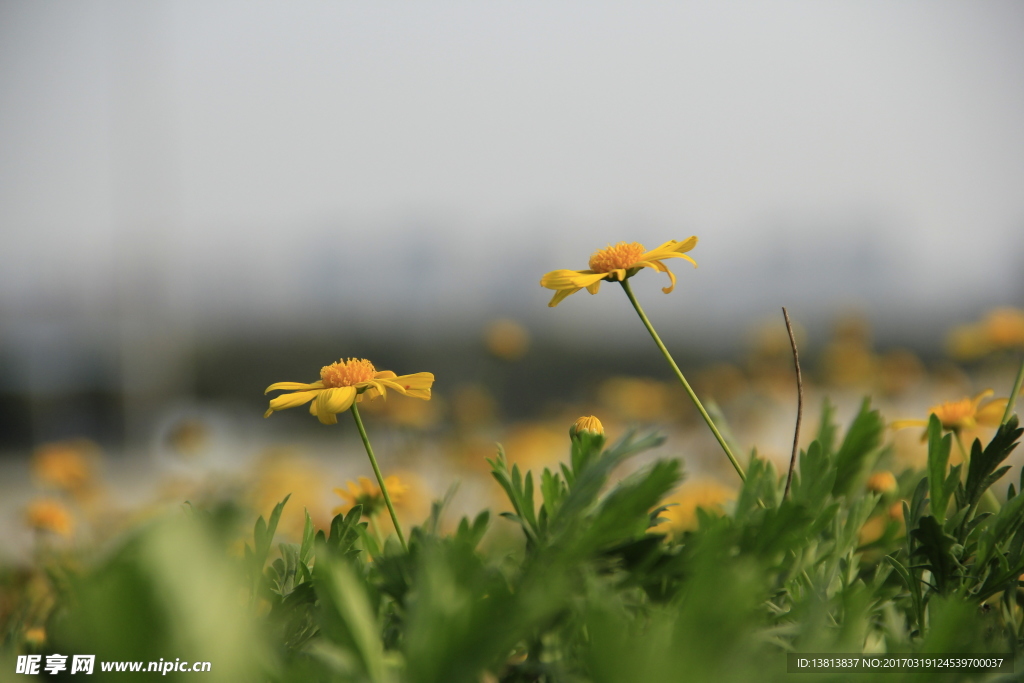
(247, 160)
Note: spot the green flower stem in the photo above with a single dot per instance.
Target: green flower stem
(380, 477)
(682, 380)
(1013, 394)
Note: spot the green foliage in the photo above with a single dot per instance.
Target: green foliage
(598, 589)
(858, 450)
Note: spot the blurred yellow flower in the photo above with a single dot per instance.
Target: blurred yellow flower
(506, 339)
(46, 514)
(343, 383)
(1001, 329)
(535, 444)
(882, 482)
(636, 398)
(873, 529)
(283, 471)
(473, 406)
(966, 413)
(616, 263)
(35, 636)
(369, 495)
(707, 494)
(65, 465)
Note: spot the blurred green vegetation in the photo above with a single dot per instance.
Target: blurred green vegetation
(597, 589)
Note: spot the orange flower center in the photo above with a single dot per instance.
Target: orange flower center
(622, 255)
(347, 373)
(955, 414)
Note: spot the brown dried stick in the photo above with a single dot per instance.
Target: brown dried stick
(799, 402)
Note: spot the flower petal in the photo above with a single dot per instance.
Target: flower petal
(671, 249)
(981, 397)
(661, 268)
(332, 401)
(570, 279)
(561, 294)
(385, 374)
(294, 386)
(991, 414)
(285, 401)
(416, 385)
(593, 289)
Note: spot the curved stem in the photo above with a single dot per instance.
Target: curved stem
(380, 477)
(1013, 394)
(682, 380)
(799, 401)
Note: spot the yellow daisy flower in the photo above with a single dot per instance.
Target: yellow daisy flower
(46, 514)
(342, 384)
(369, 495)
(616, 263)
(966, 413)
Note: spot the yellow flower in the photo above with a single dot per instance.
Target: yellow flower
(343, 383)
(616, 263)
(47, 514)
(882, 482)
(506, 339)
(1001, 329)
(369, 495)
(706, 493)
(65, 465)
(35, 636)
(966, 413)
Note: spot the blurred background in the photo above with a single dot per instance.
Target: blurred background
(199, 199)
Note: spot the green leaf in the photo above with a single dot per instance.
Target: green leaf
(816, 478)
(938, 460)
(937, 548)
(761, 486)
(306, 548)
(826, 428)
(982, 472)
(348, 616)
(1001, 529)
(859, 445)
(624, 513)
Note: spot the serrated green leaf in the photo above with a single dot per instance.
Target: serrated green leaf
(826, 428)
(982, 472)
(816, 478)
(859, 445)
(938, 461)
(936, 546)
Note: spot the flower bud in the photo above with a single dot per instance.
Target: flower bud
(587, 425)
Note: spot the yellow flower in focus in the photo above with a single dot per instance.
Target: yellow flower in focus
(65, 465)
(882, 482)
(966, 413)
(506, 339)
(588, 425)
(616, 263)
(368, 494)
(49, 515)
(342, 384)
